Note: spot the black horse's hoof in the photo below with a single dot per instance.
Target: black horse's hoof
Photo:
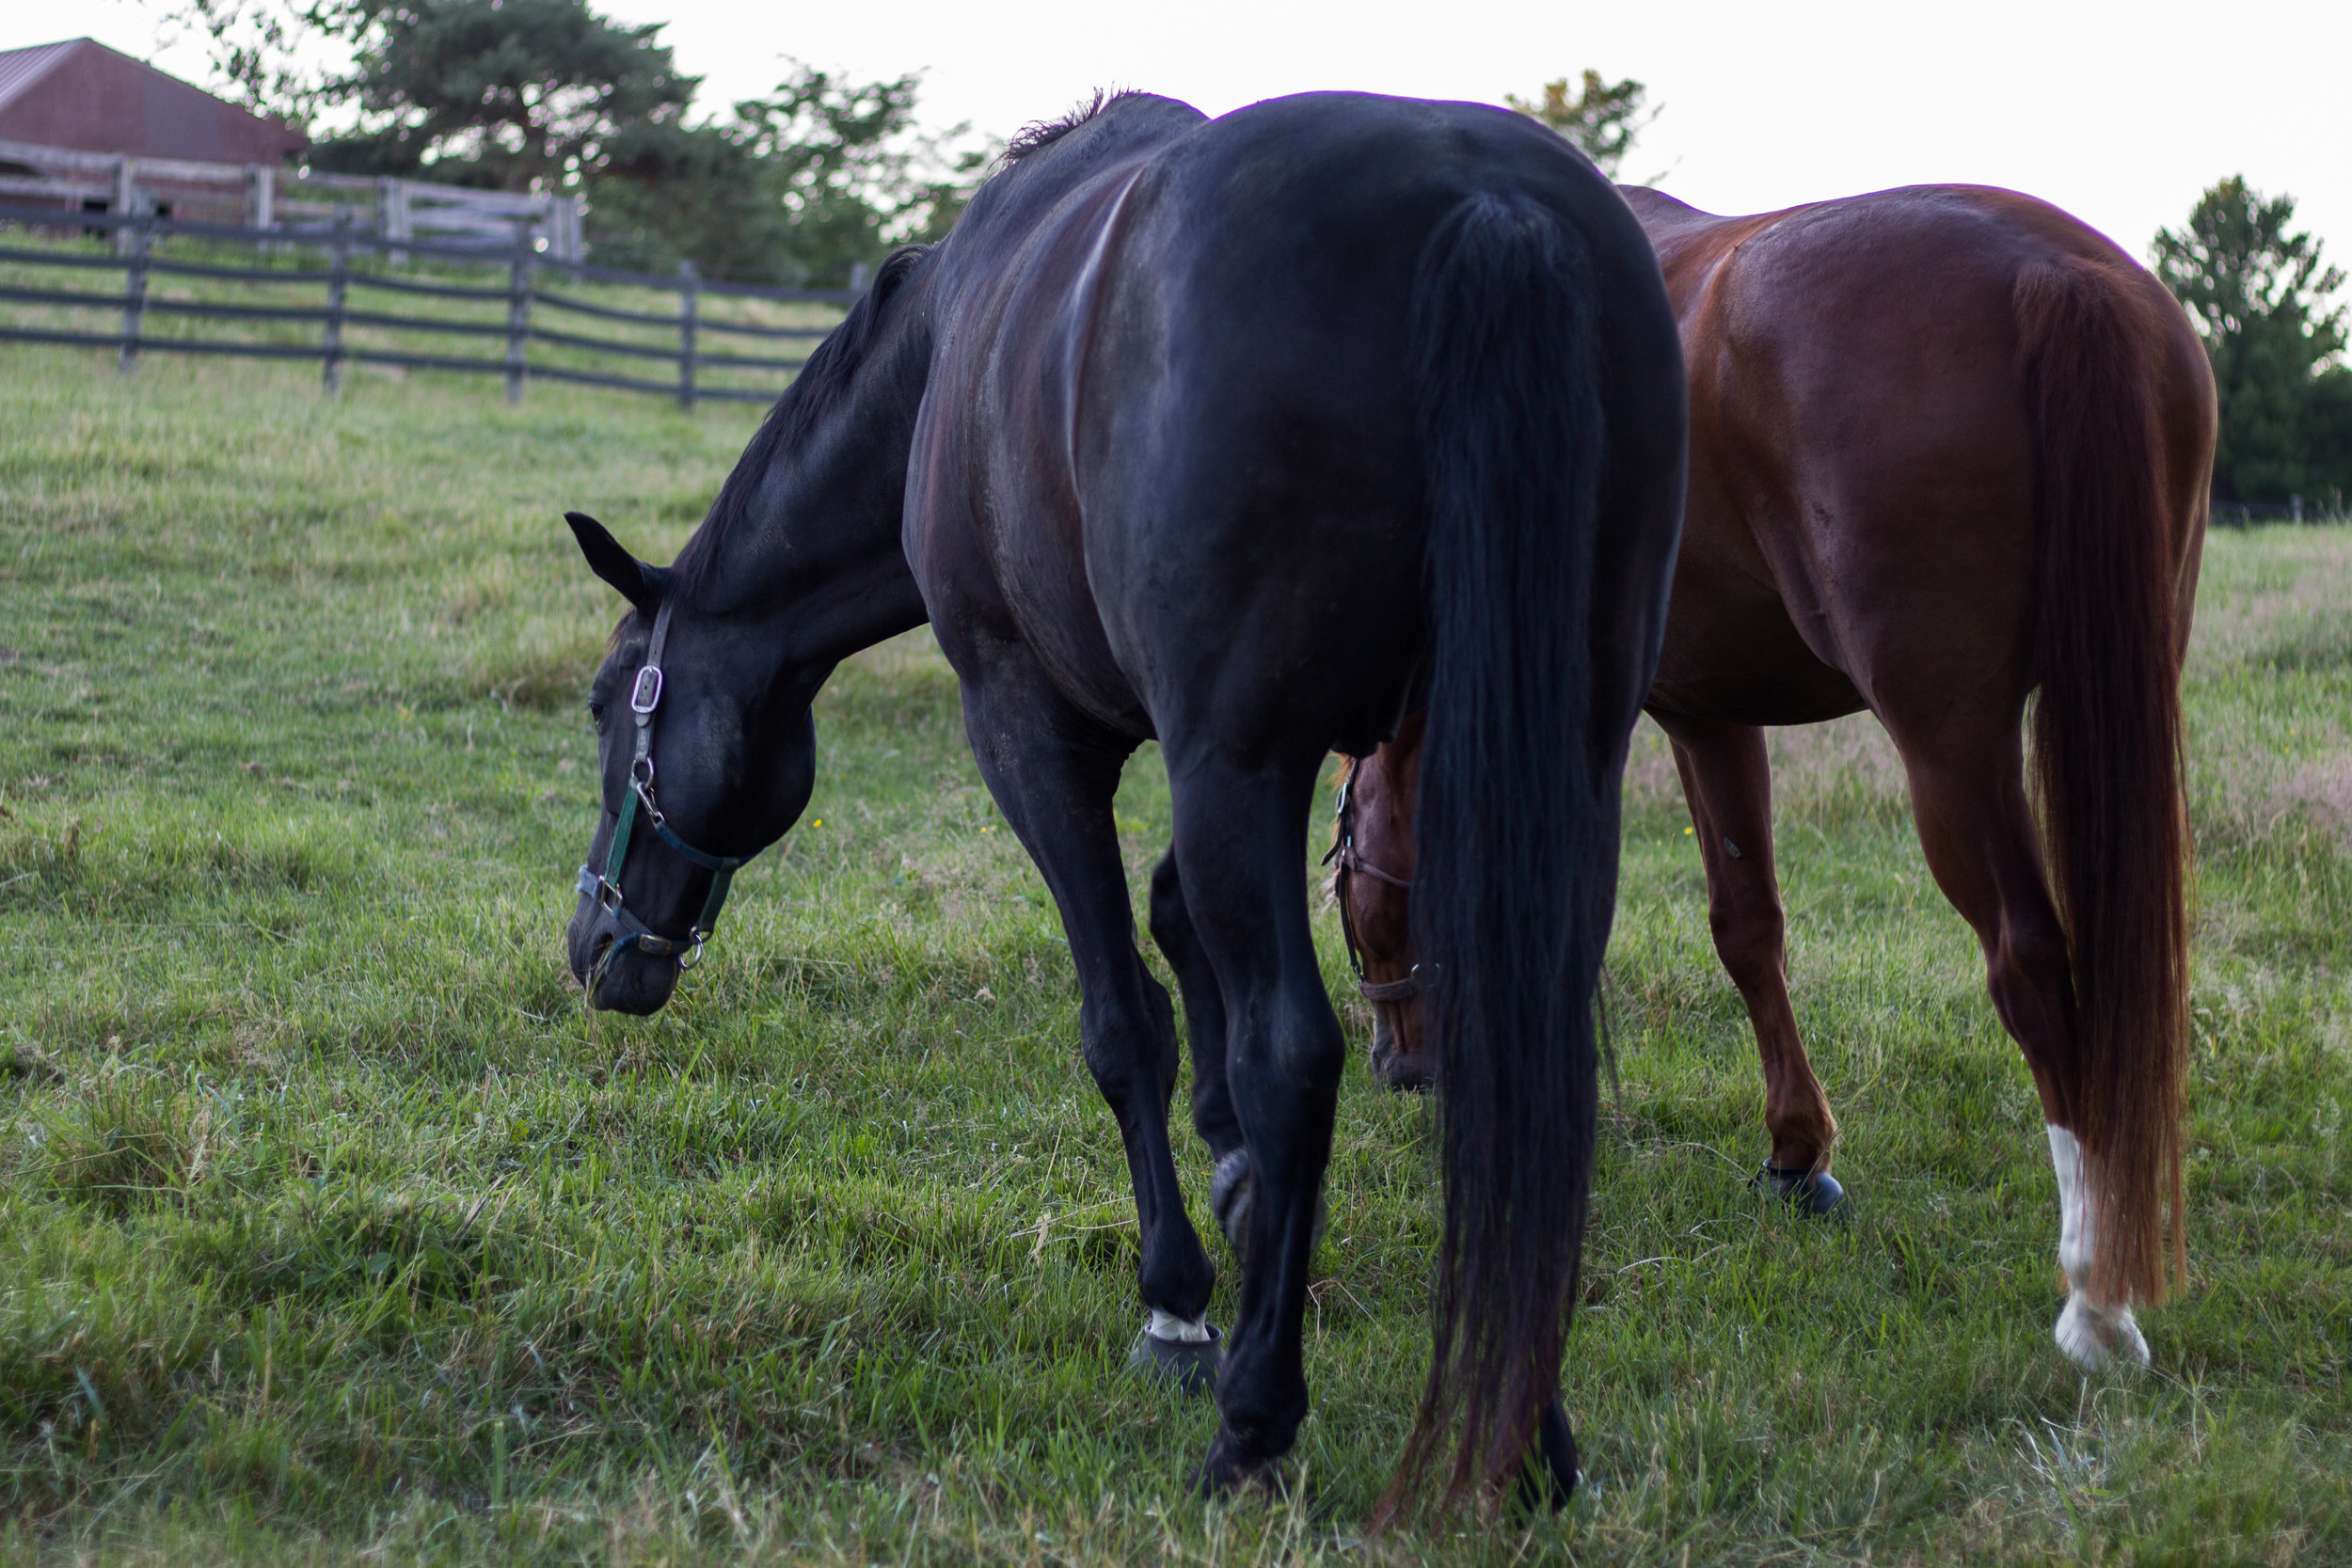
(1188, 1366)
(1225, 1474)
(1230, 1191)
(1814, 1194)
(1552, 1475)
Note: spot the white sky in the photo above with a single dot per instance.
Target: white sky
(2120, 112)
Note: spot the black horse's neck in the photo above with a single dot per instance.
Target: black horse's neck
(804, 537)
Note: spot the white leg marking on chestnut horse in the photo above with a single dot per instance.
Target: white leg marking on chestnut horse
(1183, 1331)
(2088, 1333)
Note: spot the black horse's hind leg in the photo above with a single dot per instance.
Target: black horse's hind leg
(1552, 1475)
(1053, 774)
(1212, 1115)
(1240, 844)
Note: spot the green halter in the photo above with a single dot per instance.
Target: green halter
(645, 697)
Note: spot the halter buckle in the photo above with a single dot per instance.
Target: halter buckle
(646, 694)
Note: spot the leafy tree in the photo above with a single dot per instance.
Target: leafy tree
(548, 95)
(2256, 293)
(516, 94)
(791, 187)
(1602, 121)
(255, 48)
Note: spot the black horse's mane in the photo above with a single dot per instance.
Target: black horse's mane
(823, 381)
(1043, 134)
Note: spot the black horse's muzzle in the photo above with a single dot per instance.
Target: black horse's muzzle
(626, 964)
(618, 972)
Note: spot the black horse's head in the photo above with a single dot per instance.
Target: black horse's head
(707, 754)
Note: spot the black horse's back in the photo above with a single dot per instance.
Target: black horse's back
(1244, 434)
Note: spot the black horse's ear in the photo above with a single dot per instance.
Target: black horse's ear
(637, 582)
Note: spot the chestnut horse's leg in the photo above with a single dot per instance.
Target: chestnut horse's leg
(1727, 782)
(1968, 796)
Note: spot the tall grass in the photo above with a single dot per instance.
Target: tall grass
(331, 1225)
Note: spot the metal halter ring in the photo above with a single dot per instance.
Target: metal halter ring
(605, 885)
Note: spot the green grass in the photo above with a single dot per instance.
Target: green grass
(330, 1224)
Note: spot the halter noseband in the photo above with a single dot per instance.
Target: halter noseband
(645, 698)
(1351, 860)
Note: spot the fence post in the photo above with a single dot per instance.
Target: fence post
(391, 220)
(260, 196)
(688, 290)
(859, 274)
(126, 199)
(518, 311)
(337, 284)
(134, 294)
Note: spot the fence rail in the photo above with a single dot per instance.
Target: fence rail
(2328, 509)
(305, 200)
(518, 328)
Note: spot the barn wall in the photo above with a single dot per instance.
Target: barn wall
(101, 102)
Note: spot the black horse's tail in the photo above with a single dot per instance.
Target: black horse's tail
(1516, 873)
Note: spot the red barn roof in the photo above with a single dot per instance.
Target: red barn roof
(81, 94)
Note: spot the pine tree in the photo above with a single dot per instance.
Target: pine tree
(2257, 294)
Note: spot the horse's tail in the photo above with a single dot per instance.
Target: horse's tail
(1515, 871)
(2107, 752)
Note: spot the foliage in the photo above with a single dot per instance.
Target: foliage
(256, 53)
(331, 1230)
(550, 95)
(515, 94)
(1602, 121)
(792, 188)
(2257, 294)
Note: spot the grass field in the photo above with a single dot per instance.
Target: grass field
(331, 1226)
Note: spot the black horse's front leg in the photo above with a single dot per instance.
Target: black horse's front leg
(1053, 775)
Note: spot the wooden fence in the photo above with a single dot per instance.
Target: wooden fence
(142, 255)
(262, 195)
(2330, 508)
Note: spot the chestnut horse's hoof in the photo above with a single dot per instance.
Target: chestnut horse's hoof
(1188, 1366)
(1814, 1194)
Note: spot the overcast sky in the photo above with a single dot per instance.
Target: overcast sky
(2119, 113)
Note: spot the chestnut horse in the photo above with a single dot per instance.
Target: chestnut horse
(1949, 447)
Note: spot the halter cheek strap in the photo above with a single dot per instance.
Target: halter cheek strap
(1350, 861)
(645, 701)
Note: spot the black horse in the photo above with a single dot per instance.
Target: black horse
(1245, 435)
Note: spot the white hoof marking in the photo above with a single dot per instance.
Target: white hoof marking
(2093, 1336)
(1176, 1330)
(2090, 1335)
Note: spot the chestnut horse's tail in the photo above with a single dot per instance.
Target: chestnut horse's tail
(2107, 752)
(1516, 835)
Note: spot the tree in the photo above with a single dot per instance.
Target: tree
(2257, 293)
(547, 95)
(516, 94)
(256, 53)
(792, 188)
(1602, 121)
